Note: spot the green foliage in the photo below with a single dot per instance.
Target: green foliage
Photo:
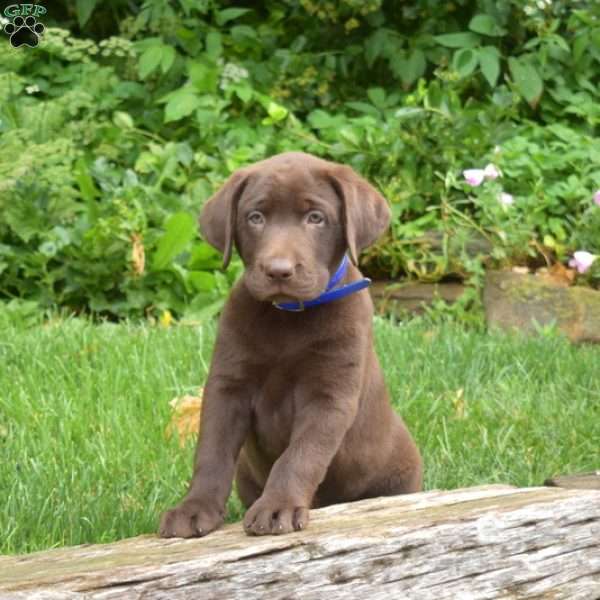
(130, 114)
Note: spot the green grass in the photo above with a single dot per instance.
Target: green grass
(83, 409)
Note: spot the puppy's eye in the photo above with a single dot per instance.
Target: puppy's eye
(255, 218)
(315, 217)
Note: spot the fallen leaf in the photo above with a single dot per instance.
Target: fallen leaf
(138, 256)
(520, 270)
(557, 274)
(186, 417)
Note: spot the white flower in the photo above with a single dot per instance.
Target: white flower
(491, 172)
(474, 177)
(32, 89)
(232, 73)
(582, 261)
(505, 199)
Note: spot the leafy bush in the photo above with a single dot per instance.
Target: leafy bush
(130, 114)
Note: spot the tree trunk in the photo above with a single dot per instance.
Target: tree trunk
(484, 542)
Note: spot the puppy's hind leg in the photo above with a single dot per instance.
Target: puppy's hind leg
(248, 489)
(403, 473)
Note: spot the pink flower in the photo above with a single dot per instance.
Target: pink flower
(474, 177)
(491, 172)
(582, 261)
(505, 199)
(597, 197)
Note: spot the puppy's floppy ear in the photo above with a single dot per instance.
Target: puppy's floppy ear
(218, 216)
(365, 213)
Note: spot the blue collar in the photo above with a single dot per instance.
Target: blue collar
(331, 293)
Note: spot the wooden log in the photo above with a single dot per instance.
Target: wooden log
(578, 481)
(476, 543)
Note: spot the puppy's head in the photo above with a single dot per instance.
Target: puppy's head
(292, 217)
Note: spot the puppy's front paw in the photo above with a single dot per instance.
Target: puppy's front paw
(191, 518)
(267, 517)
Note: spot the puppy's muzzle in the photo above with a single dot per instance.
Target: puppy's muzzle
(279, 270)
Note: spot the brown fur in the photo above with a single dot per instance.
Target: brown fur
(295, 400)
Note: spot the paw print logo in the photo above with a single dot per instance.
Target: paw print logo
(24, 32)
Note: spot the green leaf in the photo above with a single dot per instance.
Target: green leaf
(204, 75)
(203, 256)
(349, 135)
(580, 45)
(526, 79)
(87, 188)
(214, 46)
(374, 46)
(181, 103)
(85, 8)
(464, 61)
(364, 107)
(489, 61)
(123, 120)
(486, 25)
(319, 119)
(206, 117)
(458, 40)
(180, 230)
(48, 249)
(201, 281)
(243, 33)
(411, 68)
(205, 312)
(84, 180)
(408, 112)
(167, 58)
(25, 219)
(243, 92)
(276, 111)
(150, 60)
(416, 65)
(377, 96)
(229, 14)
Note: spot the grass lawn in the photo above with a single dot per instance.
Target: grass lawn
(83, 410)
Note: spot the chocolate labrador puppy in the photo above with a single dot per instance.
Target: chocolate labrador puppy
(295, 402)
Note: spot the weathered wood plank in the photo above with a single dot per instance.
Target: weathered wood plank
(487, 542)
(579, 481)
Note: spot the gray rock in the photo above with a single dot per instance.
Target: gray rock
(400, 298)
(526, 302)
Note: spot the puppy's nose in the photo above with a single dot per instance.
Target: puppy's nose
(279, 269)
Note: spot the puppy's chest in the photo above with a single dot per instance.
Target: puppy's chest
(273, 408)
(273, 337)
